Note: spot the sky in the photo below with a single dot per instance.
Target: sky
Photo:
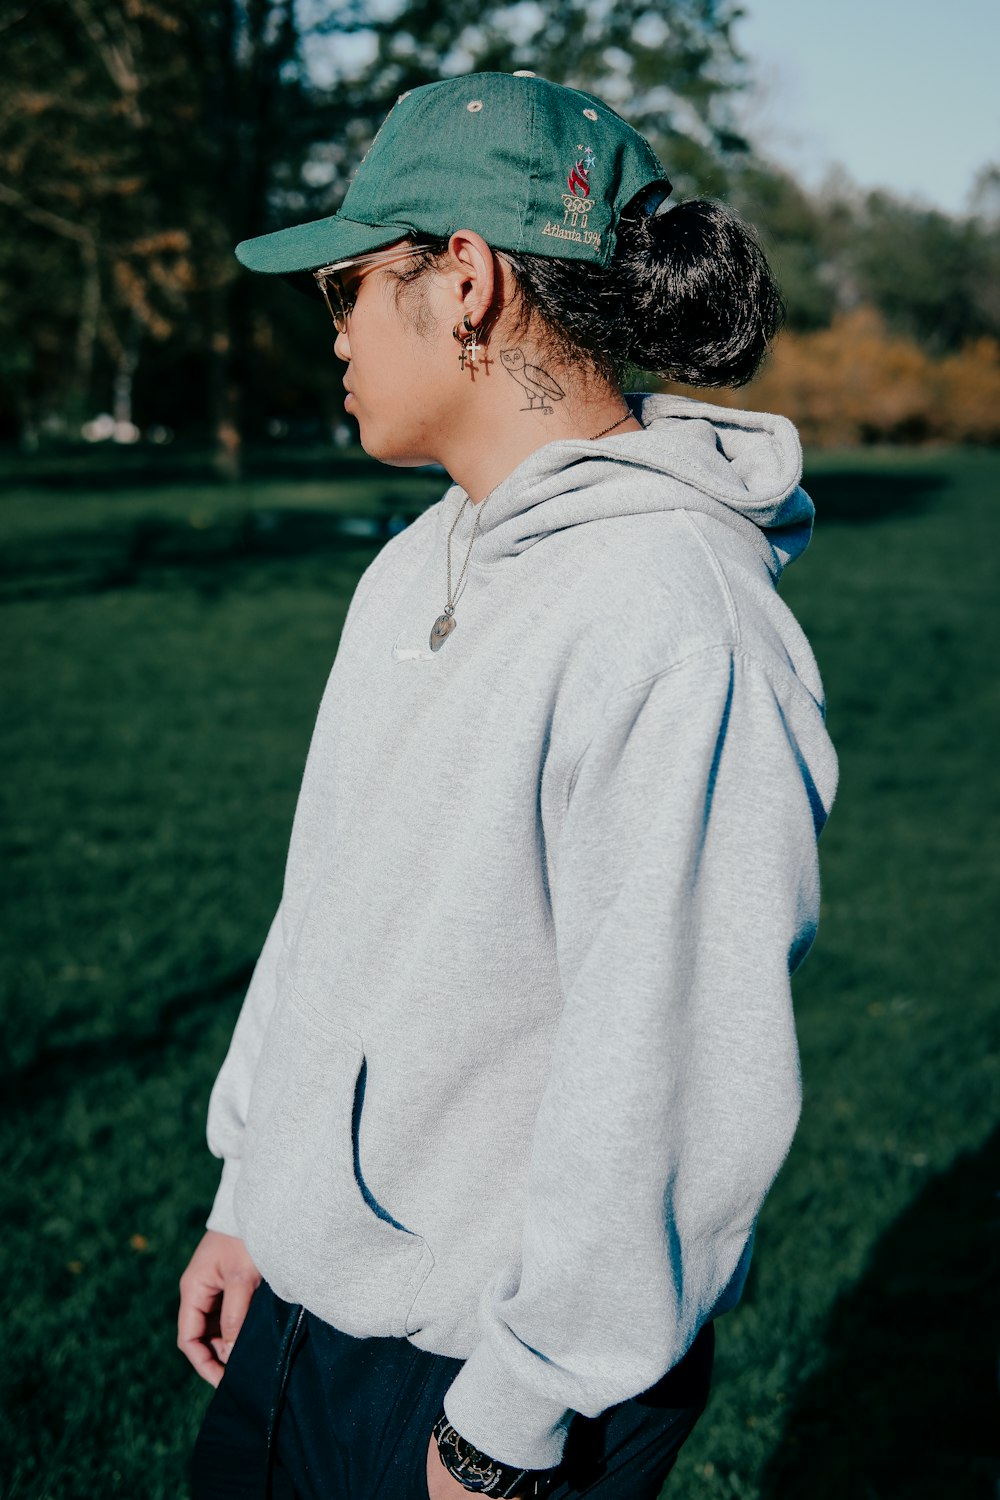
(902, 94)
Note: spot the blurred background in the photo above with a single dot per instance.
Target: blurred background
(185, 512)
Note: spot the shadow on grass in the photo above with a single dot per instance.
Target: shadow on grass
(125, 556)
(905, 1407)
(155, 548)
(54, 1070)
(153, 468)
(864, 495)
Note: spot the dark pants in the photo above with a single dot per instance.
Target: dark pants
(351, 1418)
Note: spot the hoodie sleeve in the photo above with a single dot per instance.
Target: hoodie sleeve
(227, 1107)
(685, 892)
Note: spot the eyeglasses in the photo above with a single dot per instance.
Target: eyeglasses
(341, 303)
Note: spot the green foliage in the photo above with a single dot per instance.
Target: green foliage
(180, 128)
(795, 237)
(671, 70)
(139, 144)
(158, 705)
(932, 276)
(124, 188)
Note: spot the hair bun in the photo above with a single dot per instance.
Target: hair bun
(702, 302)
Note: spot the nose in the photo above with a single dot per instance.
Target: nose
(342, 347)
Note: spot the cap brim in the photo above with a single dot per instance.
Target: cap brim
(304, 247)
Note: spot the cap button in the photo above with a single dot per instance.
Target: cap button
(524, 73)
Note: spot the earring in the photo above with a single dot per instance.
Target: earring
(468, 349)
(470, 345)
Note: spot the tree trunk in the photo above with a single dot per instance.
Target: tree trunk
(121, 400)
(224, 389)
(86, 328)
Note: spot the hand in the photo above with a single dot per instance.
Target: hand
(215, 1293)
(440, 1484)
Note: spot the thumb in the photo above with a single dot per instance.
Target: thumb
(236, 1298)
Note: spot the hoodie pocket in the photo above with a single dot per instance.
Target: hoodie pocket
(302, 1210)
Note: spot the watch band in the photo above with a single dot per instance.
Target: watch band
(482, 1475)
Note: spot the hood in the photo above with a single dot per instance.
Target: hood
(742, 467)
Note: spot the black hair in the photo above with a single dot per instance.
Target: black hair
(688, 295)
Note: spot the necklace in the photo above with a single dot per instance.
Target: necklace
(446, 622)
(608, 429)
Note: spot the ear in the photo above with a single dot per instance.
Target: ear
(475, 277)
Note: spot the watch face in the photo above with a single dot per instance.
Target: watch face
(473, 1469)
(466, 1462)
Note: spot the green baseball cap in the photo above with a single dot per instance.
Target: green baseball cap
(530, 165)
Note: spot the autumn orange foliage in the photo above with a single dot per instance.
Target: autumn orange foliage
(855, 382)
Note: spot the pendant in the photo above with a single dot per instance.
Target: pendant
(441, 630)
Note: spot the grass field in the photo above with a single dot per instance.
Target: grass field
(166, 644)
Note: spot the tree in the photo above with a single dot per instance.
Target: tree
(178, 128)
(672, 68)
(127, 185)
(931, 275)
(796, 232)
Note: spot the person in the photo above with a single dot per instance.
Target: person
(517, 1064)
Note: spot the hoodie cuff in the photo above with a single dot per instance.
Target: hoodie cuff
(223, 1215)
(508, 1421)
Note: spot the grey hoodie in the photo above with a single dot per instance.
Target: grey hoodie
(517, 1064)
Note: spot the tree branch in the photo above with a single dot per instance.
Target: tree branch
(44, 217)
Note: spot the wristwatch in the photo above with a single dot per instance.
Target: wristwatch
(482, 1475)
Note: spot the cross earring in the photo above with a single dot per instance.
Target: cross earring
(470, 346)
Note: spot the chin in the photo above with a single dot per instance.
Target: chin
(397, 457)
